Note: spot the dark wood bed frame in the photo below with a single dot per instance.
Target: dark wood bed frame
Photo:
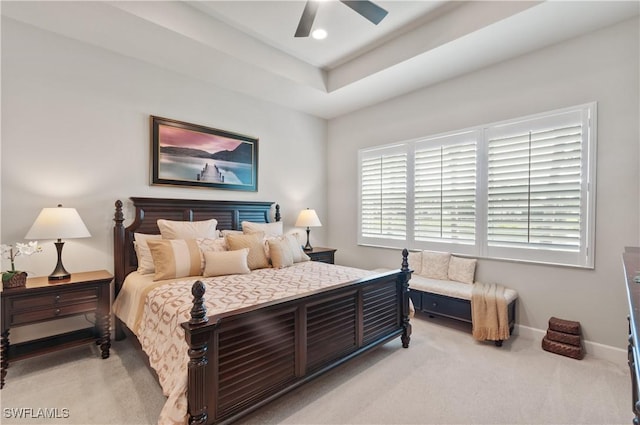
(243, 359)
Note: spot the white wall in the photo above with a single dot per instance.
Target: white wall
(75, 130)
(602, 67)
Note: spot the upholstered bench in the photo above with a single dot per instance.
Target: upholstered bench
(442, 284)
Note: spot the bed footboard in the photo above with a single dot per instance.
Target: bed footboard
(241, 361)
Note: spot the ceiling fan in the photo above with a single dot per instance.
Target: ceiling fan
(367, 9)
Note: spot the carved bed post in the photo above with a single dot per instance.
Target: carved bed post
(277, 216)
(118, 264)
(197, 341)
(404, 277)
(118, 243)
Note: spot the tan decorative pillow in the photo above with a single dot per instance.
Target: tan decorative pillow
(435, 265)
(256, 259)
(270, 230)
(462, 269)
(170, 229)
(174, 258)
(280, 251)
(145, 260)
(220, 263)
(415, 261)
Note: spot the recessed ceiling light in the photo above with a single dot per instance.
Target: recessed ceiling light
(319, 34)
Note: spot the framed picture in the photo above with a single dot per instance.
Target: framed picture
(186, 154)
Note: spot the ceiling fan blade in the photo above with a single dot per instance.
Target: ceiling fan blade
(307, 18)
(367, 9)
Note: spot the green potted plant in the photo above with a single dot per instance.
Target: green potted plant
(15, 278)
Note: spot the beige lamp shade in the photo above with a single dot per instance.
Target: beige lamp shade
(58, 223)
(308, 218)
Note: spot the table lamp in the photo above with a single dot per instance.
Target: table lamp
(308, 218)
(58, 223)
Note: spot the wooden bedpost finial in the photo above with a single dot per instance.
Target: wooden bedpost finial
(198, 311)
(118, 216)
(405, 260)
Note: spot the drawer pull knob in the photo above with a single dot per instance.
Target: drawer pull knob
(57, 299)
(435, 304)
(56, 312)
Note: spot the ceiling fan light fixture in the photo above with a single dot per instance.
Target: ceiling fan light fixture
(319, 34)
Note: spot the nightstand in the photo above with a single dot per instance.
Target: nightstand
(42, 300)
(324, 255)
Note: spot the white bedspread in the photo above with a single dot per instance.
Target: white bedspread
(155, 310)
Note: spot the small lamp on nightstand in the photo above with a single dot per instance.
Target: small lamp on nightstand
(308, 218)
(58, 223)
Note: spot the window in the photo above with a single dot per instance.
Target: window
(445, 189)
(383, 194)
(521, 189)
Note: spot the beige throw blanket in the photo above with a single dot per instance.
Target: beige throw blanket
(489, 312)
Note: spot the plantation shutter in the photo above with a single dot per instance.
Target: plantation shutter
(445, 189)
(383, 193)
(535, 183)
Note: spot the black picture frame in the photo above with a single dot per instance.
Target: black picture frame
(185, 154)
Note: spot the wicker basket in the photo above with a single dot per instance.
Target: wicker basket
(564, 337)
(13, 279)
(562, 349)
(566, 326)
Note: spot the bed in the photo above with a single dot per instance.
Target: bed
(238, 359)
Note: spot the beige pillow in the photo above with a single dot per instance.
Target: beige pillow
(170, 229)
(207, 244)
(280, 251)
(462, 269)
(256, 259)
(220, 263)
(270, 230)
(145, 260)
(224, 233)
(415, 261)
(435, 265)
(174, 258)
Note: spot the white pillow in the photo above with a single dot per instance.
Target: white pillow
(145, 260)
(220, 263)
(296, 248)
(435, 265)
(462, 269)
(270, 230)
(170, 229)
(175, 258)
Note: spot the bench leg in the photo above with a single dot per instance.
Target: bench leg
(498, 343)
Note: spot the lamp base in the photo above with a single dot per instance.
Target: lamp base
(308, 246)
(59, 273)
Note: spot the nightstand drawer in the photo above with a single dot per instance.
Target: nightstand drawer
(61, 298)
(323, 255)
(32, 316)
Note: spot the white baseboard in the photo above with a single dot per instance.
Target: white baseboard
(595, 349)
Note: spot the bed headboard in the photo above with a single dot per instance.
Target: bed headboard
(230, 215)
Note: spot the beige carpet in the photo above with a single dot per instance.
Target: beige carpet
(445, 377)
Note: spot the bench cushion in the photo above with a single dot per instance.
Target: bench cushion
(451, 288)
(448, 288)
